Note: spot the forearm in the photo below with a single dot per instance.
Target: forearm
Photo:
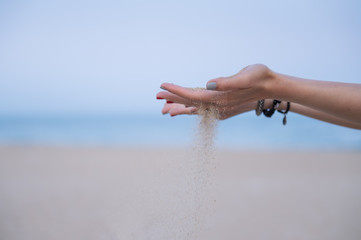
(309, 112)
(294, 107)
(341, 100)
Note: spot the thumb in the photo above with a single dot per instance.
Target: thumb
(221, 84)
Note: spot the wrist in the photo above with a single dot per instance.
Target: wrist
(269, 102)
(274, 85)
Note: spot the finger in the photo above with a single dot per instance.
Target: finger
(173, 98)
(222, 84)
(228, 83)
(166, 108)
(182, 110)
(193, 95)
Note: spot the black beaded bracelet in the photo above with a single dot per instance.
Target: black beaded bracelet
(269, 112)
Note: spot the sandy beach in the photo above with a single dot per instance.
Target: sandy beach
(118, 193)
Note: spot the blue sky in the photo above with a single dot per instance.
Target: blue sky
(111, 56)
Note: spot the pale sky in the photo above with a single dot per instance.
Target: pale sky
(111, 56)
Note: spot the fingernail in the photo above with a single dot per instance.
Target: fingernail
(170, 102)
(159, 98)
(161, 87)
(211, 86)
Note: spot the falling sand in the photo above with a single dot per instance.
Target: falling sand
(201, 185)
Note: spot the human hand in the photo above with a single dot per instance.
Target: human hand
(250, 84)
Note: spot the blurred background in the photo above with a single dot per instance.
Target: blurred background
(86, 72)
(85, 152)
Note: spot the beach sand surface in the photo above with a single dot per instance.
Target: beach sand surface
(140, 193)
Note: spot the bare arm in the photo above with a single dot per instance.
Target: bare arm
(175, 109)
(338, 103)
(342, 100)
(309, 112)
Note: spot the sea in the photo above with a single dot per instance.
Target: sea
(243, 132)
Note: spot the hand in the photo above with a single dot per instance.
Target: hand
(250, 84)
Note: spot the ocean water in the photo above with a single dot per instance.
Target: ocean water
(155, 130)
